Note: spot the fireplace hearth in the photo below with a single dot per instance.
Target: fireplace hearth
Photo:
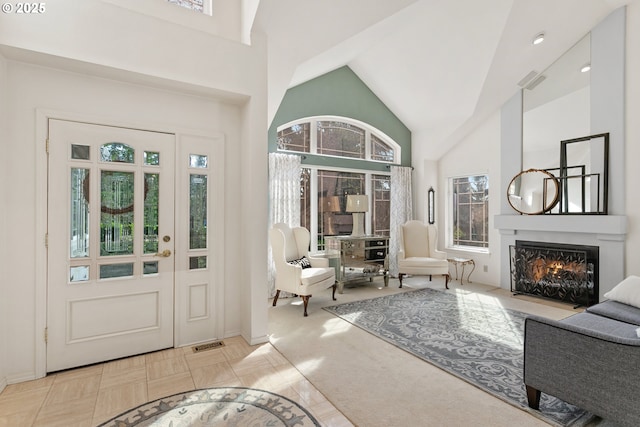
(558, 271)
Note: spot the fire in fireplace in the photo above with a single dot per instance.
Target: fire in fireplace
(558, 271)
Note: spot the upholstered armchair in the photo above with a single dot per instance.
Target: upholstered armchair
(296, 271)
(418, 254)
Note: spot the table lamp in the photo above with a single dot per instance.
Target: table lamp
(330, 205)
(357, 205)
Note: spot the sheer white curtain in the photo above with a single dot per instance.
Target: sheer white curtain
(284, 197)
(401, 211)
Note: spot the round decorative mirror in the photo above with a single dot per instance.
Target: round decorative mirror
(533, 192)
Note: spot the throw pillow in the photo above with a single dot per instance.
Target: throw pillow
(302, 262)
(626, 292)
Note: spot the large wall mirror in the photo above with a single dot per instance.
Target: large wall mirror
(556, 107)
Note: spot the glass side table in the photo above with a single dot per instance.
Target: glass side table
(462, 262)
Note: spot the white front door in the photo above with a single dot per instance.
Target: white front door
(110, 243)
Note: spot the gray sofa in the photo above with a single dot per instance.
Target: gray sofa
(590, 359)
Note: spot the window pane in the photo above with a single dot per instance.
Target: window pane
(79, 213)
(79, 274)
(198, 161)
(305, 198)
(380, 150)
(295, 138)
(116, 270)
(151, 158)
(151, 202)
(381, 215)
(80, 152)
(198, 212)
(333, 188)
(150, 267)
(116, 217)
(341, 139)
(197, 262)
(117, 152)
(470, 211)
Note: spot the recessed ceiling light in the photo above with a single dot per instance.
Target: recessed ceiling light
(538, 39)
(585, 68)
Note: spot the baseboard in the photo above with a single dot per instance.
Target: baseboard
(3, 384)
(20, 378)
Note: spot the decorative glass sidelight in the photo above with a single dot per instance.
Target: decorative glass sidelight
(117, 152)
(79, 209)
(151, 212)
(198, 211)
(198, 161)
(197, 262)
(109, 271)
(151, 158)
(116, 217)
(80, 152)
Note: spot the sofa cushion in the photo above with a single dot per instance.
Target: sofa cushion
(315, 275)
(617, 311)
(626, 292)
(602, 327)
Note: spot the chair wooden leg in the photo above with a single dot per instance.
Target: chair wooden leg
(400, 278)
(430, 277)
(275, 299)
(305, 300)
(446, 281)
(333, 295)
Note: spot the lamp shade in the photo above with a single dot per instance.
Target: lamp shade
(331, 204)
(357, 203)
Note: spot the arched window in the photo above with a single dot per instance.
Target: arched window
(325, 188)
(339, 137)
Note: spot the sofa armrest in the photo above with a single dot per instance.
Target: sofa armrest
(439, 254)
(592, 369)
(401, 254)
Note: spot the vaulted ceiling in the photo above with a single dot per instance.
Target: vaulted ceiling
(442, 66)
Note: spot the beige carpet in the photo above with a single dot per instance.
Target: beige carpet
(374, 383)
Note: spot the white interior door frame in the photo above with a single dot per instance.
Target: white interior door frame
(41, 182)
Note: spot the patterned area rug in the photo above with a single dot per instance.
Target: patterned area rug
(477, 341)
(223, 406)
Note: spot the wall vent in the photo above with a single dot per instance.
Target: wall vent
(526, 79)
(535, 82)
(207, 346)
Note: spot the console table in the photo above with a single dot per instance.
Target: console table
(360, 257)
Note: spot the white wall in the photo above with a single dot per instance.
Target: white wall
(632, 149)
(478, 153)
(159, 66)
(4, 284)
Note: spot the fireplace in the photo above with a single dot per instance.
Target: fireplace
(558, 271)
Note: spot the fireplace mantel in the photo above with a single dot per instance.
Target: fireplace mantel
(607, 227)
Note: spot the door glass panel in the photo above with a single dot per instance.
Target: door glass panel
(150, 267)
(151, 195)
(151, 158)
(116, 217)
(80, 152)
(117, 152)
(198, 212)
(196, 262)
(79, 274)
(198, 161)
(79, 213)
(109, 271)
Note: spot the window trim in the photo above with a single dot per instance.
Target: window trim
(368, 129)
(449, 218)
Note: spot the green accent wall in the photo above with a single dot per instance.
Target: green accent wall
(341, 93)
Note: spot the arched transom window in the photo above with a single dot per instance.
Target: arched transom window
(339, 137)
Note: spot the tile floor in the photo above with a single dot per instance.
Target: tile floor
(91, 395)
